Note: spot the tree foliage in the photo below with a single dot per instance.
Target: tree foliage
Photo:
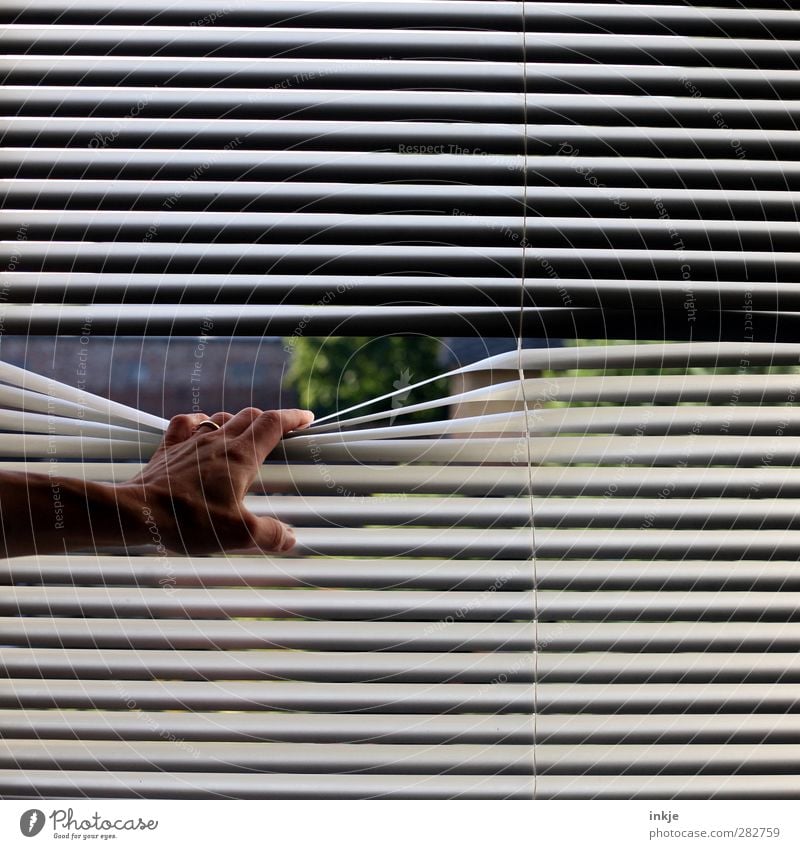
(335, 372)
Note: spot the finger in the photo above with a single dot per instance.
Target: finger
(239, 423)
(271, 535)
(181, 427)
(221, 418)
(267, 429)
(218, 419)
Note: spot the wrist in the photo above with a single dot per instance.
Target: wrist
(132, 516)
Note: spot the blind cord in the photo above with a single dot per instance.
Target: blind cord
(527, 428)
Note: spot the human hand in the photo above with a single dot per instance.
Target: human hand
(192, 490)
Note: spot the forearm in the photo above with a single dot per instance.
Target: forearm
(41, 514)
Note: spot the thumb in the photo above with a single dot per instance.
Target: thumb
(271, 535)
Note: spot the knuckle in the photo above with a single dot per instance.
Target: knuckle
(270, 419)
(238, 451)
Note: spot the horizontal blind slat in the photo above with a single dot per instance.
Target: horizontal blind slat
(770, 481)
(405, 698)
(465, 321)
(246, 726)
(276, 695)
(424, 573)
(778, 266)
(380, 667)
(368, 758)
(668, 787)
(47, 287)
(517, 729)
(396, 138)
(675, 513)
(363, 667)
(400, 636)
(607, 78)
(501, 605)
(61, 39)
(125, 784)
(398, 198)
(353, 229)
(663, 451)
(628, 171)
(498, 15)
(192, 102)
(298, 634)
(575, 542)
(402, 759)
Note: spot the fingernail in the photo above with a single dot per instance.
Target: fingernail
(308, 417)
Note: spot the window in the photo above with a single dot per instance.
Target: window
(589, 592)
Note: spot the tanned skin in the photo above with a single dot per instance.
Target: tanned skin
(190, 494)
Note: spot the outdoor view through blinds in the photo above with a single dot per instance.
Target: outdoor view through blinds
(534, 266)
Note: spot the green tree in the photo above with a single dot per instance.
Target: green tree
(335, 372)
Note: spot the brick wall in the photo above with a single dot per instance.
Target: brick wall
(162, 375)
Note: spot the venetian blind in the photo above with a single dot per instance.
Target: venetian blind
(591, 593)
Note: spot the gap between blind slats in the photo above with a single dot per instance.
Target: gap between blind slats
(670, 355)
